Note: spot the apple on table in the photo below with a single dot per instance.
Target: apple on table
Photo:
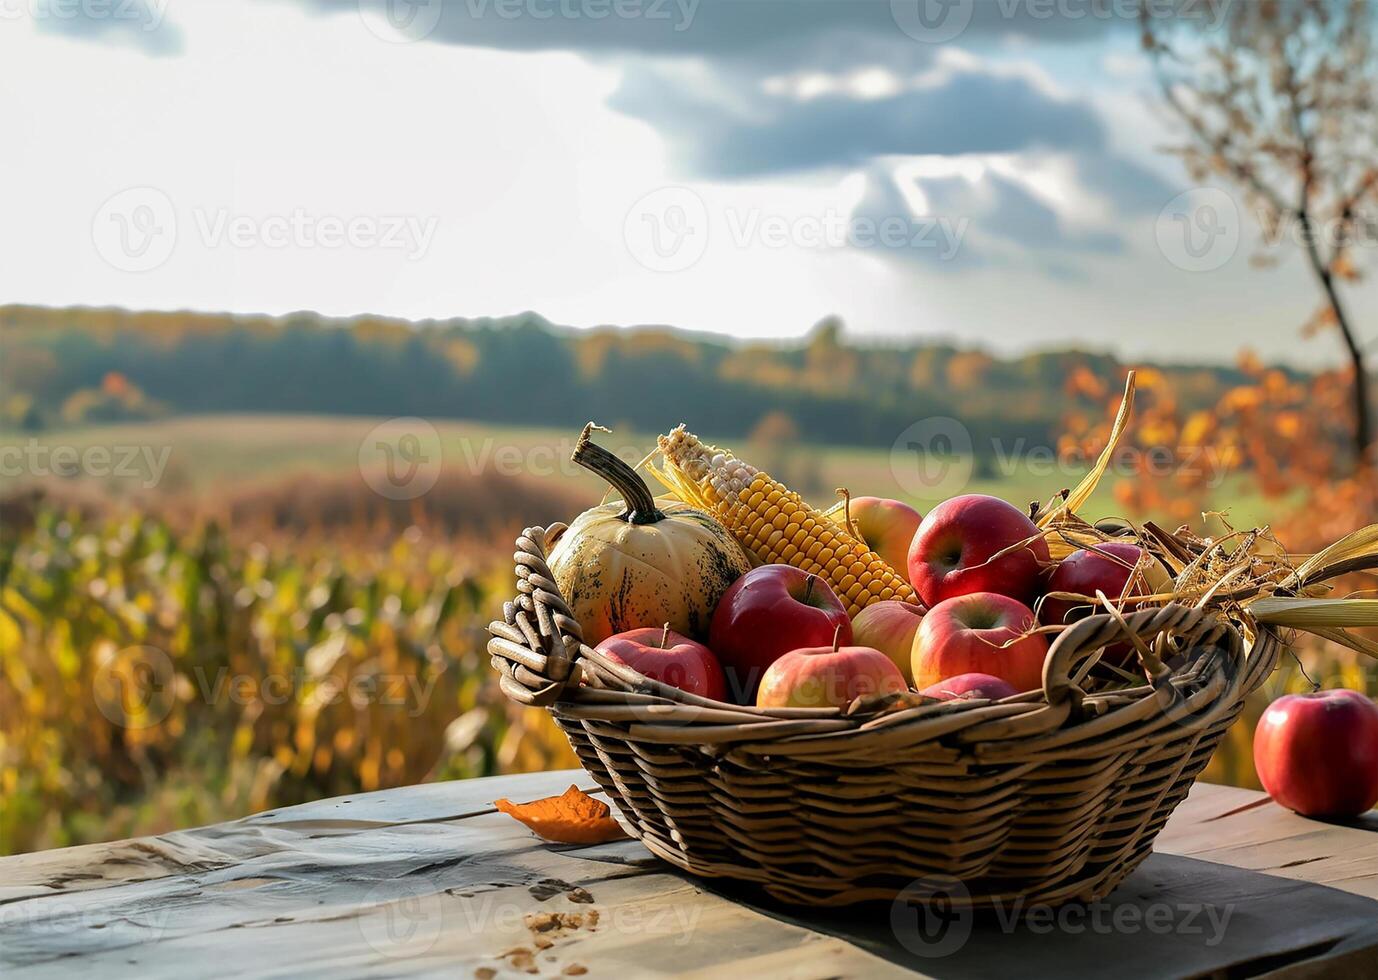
(668, 657)
(954, 551)
(829, 676)
(889, 626)
(765, 614)
(885, 526)
(980, 633)
(1317, 753)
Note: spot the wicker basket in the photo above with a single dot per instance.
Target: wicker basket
(1049, 796)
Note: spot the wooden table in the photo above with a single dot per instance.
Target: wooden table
(430, 880)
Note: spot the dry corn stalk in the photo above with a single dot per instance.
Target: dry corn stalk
(774, 523)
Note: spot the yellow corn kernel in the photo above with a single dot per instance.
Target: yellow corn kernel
(776, 524)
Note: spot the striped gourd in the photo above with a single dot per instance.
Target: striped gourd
(774, 523)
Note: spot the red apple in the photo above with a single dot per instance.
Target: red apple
(830, 676)
(1085, 571)
(953, 550)
(970, 686)
(765, 614)
(889, 627)
(666, 656)
(981, 633)
(886, 526)
(1317, 753)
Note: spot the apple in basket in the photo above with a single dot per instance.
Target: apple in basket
(889, 626)
(668, 657)
(886, 526)
(765, 614)
(955, 550)
(830, 676)
(968, 686)
(982, 633)
(1317, 753)
(1108, 568)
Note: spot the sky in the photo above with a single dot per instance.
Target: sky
(986, 171)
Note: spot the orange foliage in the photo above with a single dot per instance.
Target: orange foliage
(1287, 438)
(572, 818)
(115, 385)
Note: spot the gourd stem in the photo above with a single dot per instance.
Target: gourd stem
(641, 505)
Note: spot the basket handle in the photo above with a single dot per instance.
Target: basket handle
(535, 646)
(1086, 636)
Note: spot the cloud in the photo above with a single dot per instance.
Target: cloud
(769, 31)
(759, 89)
(142, 24)
(979, 219)
(1128, 186)
(750, 132)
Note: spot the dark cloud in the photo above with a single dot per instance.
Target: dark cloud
(988, 221)
(1131, 187)
(742, 131)
(138, 23)
(766, 30)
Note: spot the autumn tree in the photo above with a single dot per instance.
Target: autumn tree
(1280, 101)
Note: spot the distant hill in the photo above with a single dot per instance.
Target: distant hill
(73, 365)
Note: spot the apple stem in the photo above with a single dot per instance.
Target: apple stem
(665, 636)
(837, 638)
(1315, 686)
(808, 586)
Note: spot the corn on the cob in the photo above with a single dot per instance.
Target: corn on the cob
(775, 524)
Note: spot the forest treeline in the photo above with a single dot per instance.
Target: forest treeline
(81, 365)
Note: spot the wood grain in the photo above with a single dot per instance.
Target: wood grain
(429, 880)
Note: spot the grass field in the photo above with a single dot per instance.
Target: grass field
(203, 456)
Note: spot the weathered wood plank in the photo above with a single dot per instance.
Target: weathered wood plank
(1247, 830)
(429, 880)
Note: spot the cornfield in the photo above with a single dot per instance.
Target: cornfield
(154, 677)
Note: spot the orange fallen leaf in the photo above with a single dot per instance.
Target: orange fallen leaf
(572, 818)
